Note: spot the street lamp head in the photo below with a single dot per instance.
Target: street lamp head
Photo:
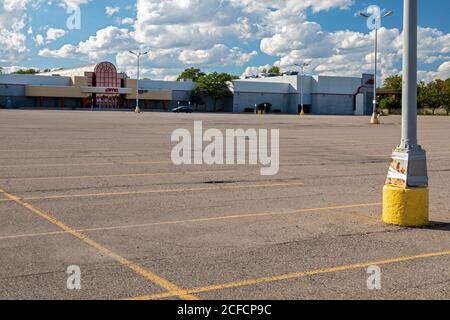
(304, 64)
(362, 14)
(131, 52)
(388, 14)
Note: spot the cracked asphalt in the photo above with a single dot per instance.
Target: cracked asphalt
(98, 190)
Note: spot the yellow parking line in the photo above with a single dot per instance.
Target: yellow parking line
(44, 165)
(220, 218)
(125, 193)
(292, 276)
(150, 276)
(118, 175)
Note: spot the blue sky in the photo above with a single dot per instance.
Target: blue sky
(239, 37)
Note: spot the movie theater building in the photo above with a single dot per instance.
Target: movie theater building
(101, 86)
(94, 86)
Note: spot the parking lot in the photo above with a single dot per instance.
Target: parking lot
(98, 190)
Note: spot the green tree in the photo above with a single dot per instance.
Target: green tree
(432, 95)
(1, 70)
(275, 70)
(390, 103)
(192, 74)
(421, 95)
(446, 96)
(215, 85)
(393, 83)
(196, 97)
(26, 71)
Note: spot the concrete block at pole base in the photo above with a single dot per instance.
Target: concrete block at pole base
(374, 120)
(407, 207)
(137, 110)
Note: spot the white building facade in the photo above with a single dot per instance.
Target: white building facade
(321, 94)
(102, 86)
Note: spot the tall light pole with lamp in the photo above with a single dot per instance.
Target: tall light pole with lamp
(138, 55)
(374, 21)
(302, 68)
(405, 195)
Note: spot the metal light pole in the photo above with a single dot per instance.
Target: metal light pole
(138, 55)
(405, 195)
(374, 119)
(302, 67)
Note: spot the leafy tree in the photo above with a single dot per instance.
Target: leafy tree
(446, 96)
(196, 97)
(26, 71)
(192, 74)
(215, 85)
(390, 103)
(1, 70)
(393, 83)
(433, 95)
(421, 95)
(275, 70)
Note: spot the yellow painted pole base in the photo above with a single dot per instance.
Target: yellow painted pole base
(406, 207)
(374, 120)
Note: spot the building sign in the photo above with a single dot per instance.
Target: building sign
(106, 90)
(112, 90)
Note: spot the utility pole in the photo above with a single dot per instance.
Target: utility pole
(138, 55)
(302, 67)
(405, 195)
(376, 25)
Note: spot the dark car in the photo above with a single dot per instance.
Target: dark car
(183, 109)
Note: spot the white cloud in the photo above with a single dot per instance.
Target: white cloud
(72, 3)
(443, 72)
(127, 21)
(54, 34)
(110, 11)
(221, 33)
(254, 71)
(107, 41)
(39, 40)
(12, 22)
(219, 54)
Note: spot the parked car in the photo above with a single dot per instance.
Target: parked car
(183, 109)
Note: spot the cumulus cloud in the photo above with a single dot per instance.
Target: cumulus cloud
(106, 41)
(54, 34)
(12, 22)
(39, 40)
(127, 21)
(110, 11)
(72, 3)
(222, 33)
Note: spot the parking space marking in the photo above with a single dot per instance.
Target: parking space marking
(150, 276)
(210, 219)
(119, 175)
(44, 165)
(126, 193)
(293, 276)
